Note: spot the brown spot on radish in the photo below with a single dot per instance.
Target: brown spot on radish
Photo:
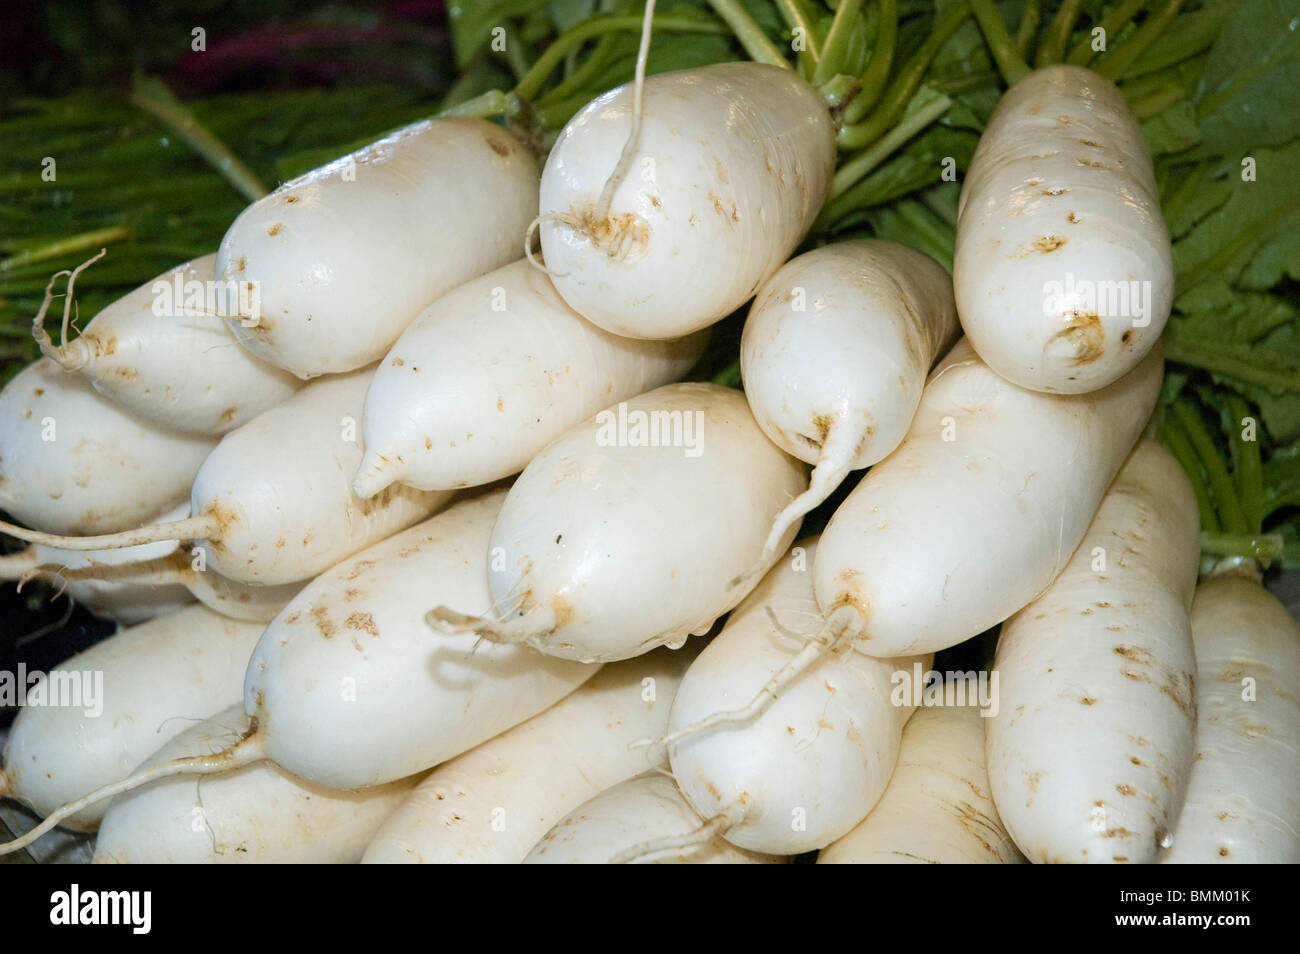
(1055, 192)
(496, 144)
(1126, 337)
(428, 443)
(1121, 859)
(228, 415)
(1126, 789)
(1086, 700)
(323, 622)
(1089, 142)
(1135, 760)
(1090, 163)
(290, 199)
(239, 264)
(1032, 779)
(363, 622)
(1082, 341)
(275, 229)
(501, 404)
(1223, 851)
(654, 200)
(1048, 243)
(1117, 833)
(1072, 218)
(398, 362)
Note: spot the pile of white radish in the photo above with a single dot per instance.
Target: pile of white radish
(398, 656)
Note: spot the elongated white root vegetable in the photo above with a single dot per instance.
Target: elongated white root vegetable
(1092, 745)
(835, 353)
(138, 689)
(622, 535)
(256, 814)
(492, 804)
(348, 689)
(1242, 804)
(89, 577)
(71, 461)
(164, 354)
(937, 808)
(815, 761)
(729, 168)
(979, 508)
(1063, 269)
(490, 374)
(349, 665)
(345, 256)
(273, 503)
(643, 809)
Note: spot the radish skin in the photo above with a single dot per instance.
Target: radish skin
(71, 461)
(175, 368)
(347, 255)
(492, 804)
(1242, 805)
(272, 504)
(835, 354)
(158, 678)
(491, 373)
(603, 552)
(937, 808)
(811, 766)
(978, 509)
(731, 165)
(350, 666)
(1063, 269)
(645, 808)
(256, 814)
(1091, 748)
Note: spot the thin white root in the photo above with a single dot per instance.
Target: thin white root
(634, 137)
(69, 360)
(191, 528)
(843, 626)
(528, 242)
(672, 845)
(834, 465)
(165, 570)
(536, 623)
(250, 748)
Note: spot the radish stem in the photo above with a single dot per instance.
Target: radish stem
(837, 41)
(74, 243)
(191, 528)
(1175, 438)
(797, 17)
(1010, 63)
(1028, 28)
(1221, 484)
(1058, 34)
(1111, 25)
(876, 74)
(1114, 65)
(1247, 467)
(862, 163)
(750, 34)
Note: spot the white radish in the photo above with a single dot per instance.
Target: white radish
(815, 761)
(157, 679)
(71, 461)
(642, 809)
(1091, 748)
(273, 502)
(87, 577)
(623, 534)
(254, 814)
(347, 688)
(345, 256)
(492, 804)
(978, 509)
(162, 353)
(835, 353)
(1063, 269)
(491, 373)
(1243, 798)
(937, 808)
(349, 665)
(725, 176)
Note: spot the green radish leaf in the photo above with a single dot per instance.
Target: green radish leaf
(1226, 239)
(1250, 91)
(1173, 130)
(472, 23)
(1278, 257)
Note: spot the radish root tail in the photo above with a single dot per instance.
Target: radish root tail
(15, 566)
(843, 626)
(534, 624)
(672, 845)
(528, 241)
(250, 748)
(69, 360)
(832, 467)
(191, 528)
